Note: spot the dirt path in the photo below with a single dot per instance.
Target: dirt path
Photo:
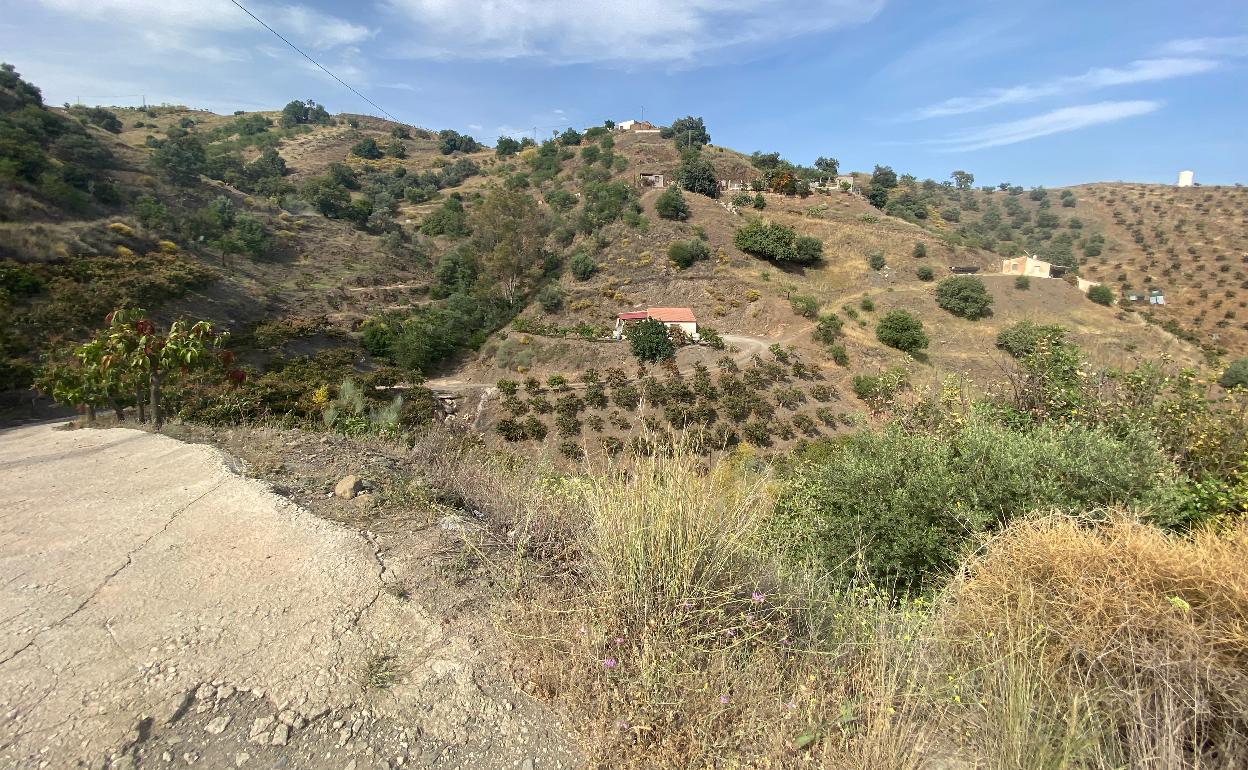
(157, 609)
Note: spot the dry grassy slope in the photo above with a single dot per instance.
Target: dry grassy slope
(1192, 243)
(739, 294)
(324, 267)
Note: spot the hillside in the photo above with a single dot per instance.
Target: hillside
(439, 258)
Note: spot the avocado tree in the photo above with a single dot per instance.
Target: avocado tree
(650, 341)
(131, 355)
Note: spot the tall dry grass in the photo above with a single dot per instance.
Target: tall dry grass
(1135, 641)
(651, 608)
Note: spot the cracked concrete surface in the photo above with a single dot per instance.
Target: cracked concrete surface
(140, 579)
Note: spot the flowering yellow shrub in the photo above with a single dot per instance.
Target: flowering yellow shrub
(121, 228)
(122, 251)
(167, 247)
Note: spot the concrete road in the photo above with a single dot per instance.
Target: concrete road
(156, 608)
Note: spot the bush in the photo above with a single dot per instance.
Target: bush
(909, 504)
(803, 305)
(551, 299)
(1022, 338)
(827, 329)
(508, 387)
(582, 266)
(1235, 375)
(776, 242)
(839, 355)
(760, 202)
(367, 148)
(671, 204)
(925, 273)
(876, 261)
(1022, 283)
(965, 296)
(684, 253)
(901, 330)
(920, 249)
(1101, 294)
(650, 341)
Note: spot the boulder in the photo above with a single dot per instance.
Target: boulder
(348, 487)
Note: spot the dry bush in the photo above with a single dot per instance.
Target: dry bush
(681, 642)
(1128, 644)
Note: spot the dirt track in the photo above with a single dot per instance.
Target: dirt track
(156, 608)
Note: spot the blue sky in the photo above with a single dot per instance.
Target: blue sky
(1030, 92)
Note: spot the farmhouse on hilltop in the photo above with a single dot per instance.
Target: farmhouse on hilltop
(1031, 267)
(672, 317)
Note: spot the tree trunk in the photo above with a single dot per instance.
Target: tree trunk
(90, 409)
(158, 415)
(118, 410)
(138, 403)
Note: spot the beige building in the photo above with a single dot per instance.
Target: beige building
(1028, 266)
(1084, 284)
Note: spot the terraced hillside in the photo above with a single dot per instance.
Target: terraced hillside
(346, 245)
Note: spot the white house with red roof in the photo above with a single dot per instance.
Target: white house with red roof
(672, 317)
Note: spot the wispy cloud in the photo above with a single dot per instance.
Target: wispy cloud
(1141, 71)
(1208, 46)
(610, 31)
(191, 22)
(1055, 122)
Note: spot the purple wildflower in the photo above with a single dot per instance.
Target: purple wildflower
(723, 699)
(610, 662)
(758, 598)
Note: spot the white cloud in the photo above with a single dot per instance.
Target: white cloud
(1055, 122)
(1208, 46)
(632, 31)
(1142, 71)
(187, 24)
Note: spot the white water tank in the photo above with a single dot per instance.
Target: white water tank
(1187, 178)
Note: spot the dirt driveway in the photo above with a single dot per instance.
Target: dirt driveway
(158, 609)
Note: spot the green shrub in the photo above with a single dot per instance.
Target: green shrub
(1101, 294)
(965, 296)
(920, 249)
(924, 273)
(534, 428)
(876, 261)
(1235, 375)
(366, 148)
(684, 253)
(867, 304)
(804, 305)
(671, 204)
(508, 387)
(551, 299)
(838, 354)
(878, 388)
(1022, 283)
(827, 329)
(760, 202)
(711, 338)
(903, 507)
(901, 330)
(650, 341)
(1022, 338)
(778, 243)
(582, 266)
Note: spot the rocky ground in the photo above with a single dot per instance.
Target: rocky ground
(166, 604)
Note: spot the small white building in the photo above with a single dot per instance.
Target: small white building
(1187, 178)
(652, 179)
(672, 317)
(1084, 284)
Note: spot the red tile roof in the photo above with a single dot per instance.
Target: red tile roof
(639, 315)
(682, 315)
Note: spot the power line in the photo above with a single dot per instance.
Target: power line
(322, 67)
